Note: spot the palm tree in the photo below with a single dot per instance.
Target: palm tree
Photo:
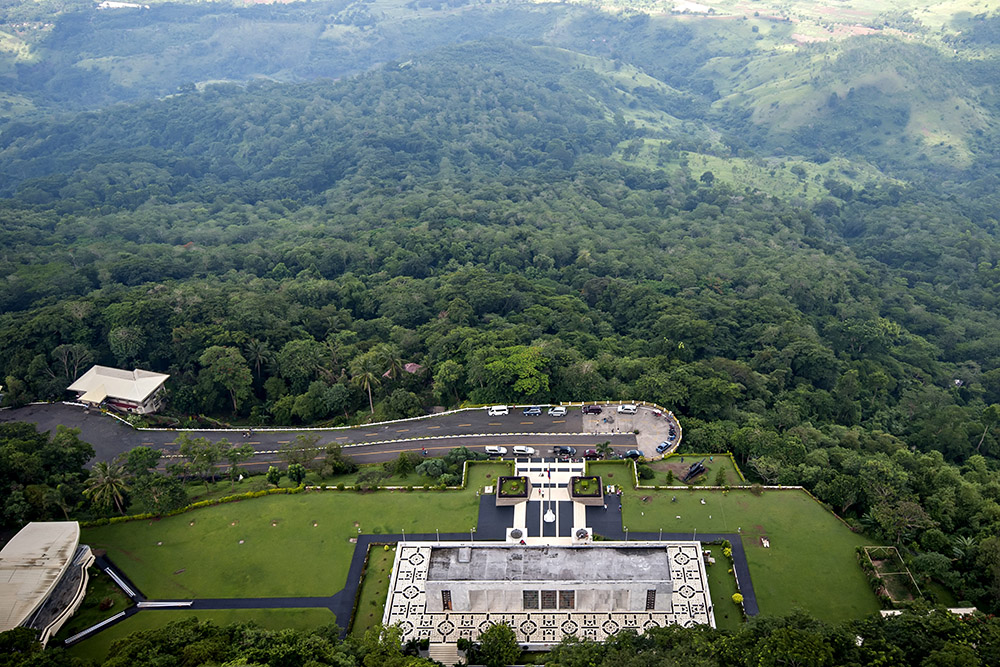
(963, 545)
(389, 359)
(258, 354)
(107, 485)
(364, 373)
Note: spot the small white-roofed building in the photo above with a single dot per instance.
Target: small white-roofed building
(43, 577)
(138, 391)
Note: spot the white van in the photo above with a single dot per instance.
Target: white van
(628, 409)
(497, 410)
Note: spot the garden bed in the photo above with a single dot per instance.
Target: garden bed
(587, 490)
(512, 490)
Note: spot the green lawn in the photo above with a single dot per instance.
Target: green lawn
(679, 464)
(810, 564)
(613, 472)
(374, 589)
(99, 587)
(722, 585)
(271, 546)
(96, 648)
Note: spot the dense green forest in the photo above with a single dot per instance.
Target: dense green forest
(795, 250)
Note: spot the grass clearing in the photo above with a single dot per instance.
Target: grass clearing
(811, 563)
(679, 464)
(279, 545)
(613, 472)
(99, 587)
(722, 585)
(96, 648)
(374, 589)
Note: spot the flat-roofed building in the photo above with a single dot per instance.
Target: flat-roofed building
(43, 577)
(447, 591)
(138, 391)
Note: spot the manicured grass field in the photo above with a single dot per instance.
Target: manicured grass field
(613, 472)
(810, 564)
(99, 587)
(374, 589)
(96, 648)
(722, 585)
(281, 545)
(679, 464)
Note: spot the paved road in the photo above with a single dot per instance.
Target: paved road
(366, 444)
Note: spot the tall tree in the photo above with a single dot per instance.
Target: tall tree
(365, 374)
(107, 486)
(227, 367)
(258, 354)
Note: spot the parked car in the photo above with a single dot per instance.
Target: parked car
(591, 454)
(497, 410)
(633, 454)
(521, 450)
(533, 411)
(662, 447)
(557, 411)
(592, 410)
(628, 409)
(493, 450)
(562, 450)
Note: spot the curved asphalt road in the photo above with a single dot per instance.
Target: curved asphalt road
(366, 444)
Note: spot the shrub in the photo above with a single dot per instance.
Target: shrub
(644, 471)
(756, 489)
(105, 604)
(737, 598)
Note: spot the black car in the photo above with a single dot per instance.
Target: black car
(592, 410)
(633, 454)
(564, 451)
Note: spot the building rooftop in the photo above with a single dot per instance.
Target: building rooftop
(101, 382)
(31, 565)
(549, 563)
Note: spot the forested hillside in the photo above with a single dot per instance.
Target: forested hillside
(801, 270)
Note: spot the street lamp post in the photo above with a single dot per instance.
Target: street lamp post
(626, 533)
(437, 532)
(404, 535)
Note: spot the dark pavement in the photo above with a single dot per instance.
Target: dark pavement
(366, 444)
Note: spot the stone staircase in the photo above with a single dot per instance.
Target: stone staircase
(446, 654)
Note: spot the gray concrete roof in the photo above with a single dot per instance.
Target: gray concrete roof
(544, 563)
(31, 565)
